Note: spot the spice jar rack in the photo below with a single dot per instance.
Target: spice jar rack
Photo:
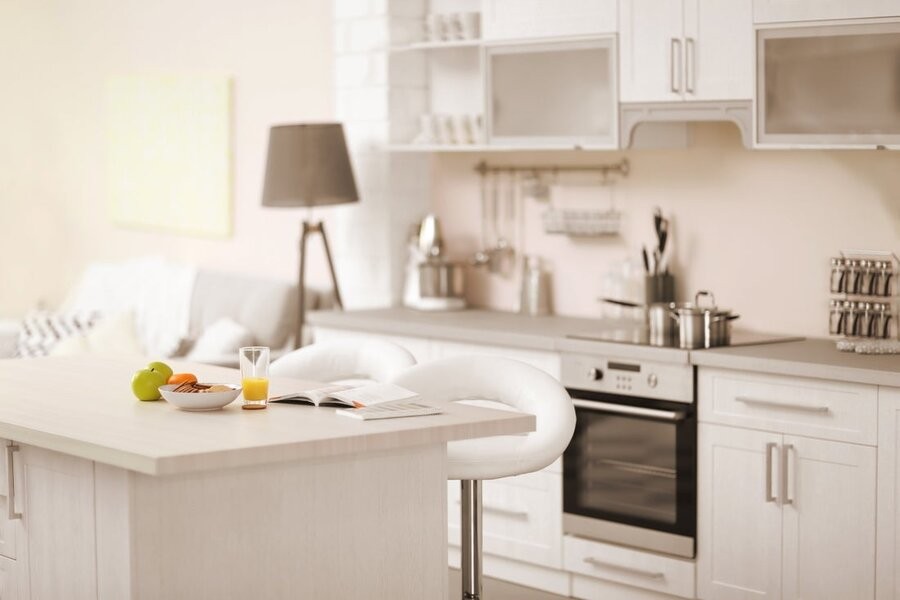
(863, 306)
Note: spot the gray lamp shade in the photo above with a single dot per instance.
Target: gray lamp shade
(308, 165)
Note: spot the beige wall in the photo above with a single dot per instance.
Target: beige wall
(756, 227)
(55, 58)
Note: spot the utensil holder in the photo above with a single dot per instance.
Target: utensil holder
(659, 288)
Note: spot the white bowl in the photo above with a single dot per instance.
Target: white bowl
(200, 400)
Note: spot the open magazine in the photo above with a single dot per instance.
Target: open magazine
(348, 396)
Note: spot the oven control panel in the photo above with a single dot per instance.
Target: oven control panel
(646, 379)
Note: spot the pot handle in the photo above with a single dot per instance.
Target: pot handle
(620, 302)
(705, 293)
(725, 318)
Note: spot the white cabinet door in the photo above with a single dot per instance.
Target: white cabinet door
(719, 50)
(56, 496)
(651, 50)
(738, 523)
(774, 11)
(829, 520)
(887, 569)
(523, 19)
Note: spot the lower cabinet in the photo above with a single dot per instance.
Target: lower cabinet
(888, 544)
(783, 516)
(522, 517)
(47, 542)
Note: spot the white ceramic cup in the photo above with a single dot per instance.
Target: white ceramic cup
(446, 133)
(469, 25)
(427, 130)
(434, 28)
(453, 27)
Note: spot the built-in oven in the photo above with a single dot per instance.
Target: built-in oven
(630, 469)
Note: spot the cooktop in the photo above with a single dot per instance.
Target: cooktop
(640, 336)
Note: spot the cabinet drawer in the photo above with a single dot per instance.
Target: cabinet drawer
(522, 517)
(816, 408)
(631, 567)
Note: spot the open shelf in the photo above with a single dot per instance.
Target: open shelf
(492, 148)
(438, 45)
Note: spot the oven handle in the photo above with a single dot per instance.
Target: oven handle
(626, 409)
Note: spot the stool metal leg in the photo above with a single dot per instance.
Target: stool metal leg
(471, 539)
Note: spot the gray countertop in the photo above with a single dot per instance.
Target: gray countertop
(804, 358)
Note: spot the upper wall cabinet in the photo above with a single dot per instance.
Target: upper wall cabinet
(781, 11)
(677, 50)
(829, 86)
(521, 19)
(553, 94)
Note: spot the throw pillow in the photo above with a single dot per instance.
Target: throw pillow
(42, 330)
(223, 337)
(114, 335)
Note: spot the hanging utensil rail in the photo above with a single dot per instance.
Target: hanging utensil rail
(622, 168)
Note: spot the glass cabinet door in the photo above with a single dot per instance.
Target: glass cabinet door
(830, 86)
(553, 94)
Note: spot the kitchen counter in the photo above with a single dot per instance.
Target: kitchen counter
(800, 357)
(128, 499)
(805, 358)
(83, 406)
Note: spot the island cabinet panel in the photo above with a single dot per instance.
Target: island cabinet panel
(9, 582)
(55, 494)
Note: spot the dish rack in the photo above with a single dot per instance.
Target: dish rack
(863, 307)
(582, 222)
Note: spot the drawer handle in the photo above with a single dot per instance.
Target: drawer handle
(596, 562)
(786, 405)
(11, 513)
(770, 497)
(518, 514)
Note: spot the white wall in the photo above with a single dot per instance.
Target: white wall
(55, 58)
(755, 227)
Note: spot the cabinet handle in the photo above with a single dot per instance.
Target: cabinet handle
(770, 497)
(596, 562)
(787, 405)
(785, 490)
(690, 66)
(675, 48)
(11, 513)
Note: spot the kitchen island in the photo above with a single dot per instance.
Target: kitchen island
(109, 497)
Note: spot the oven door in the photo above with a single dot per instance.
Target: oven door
(630, 472)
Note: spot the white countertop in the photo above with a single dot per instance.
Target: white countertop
(83, 406)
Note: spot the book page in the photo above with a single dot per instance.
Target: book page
(315, 396)
(375, 393)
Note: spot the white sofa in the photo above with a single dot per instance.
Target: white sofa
(263, 311)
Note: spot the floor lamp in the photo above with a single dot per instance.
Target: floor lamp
(307, 165)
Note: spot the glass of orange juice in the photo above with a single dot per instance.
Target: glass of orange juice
(255, 376)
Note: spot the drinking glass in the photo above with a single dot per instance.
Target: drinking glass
(255, 376)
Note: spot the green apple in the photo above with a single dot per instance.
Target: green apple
(161, 368)
(145, 384)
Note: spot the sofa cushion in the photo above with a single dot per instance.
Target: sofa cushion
(266, 307)
(223, 338)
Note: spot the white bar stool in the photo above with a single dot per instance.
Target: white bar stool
(509, 382)
(350, 361)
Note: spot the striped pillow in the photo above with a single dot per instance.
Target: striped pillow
(42, 329)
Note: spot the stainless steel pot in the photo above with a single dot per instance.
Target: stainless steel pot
(663, 324)
(442, 279)
(702, 326)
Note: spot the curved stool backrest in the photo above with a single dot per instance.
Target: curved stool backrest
(510, 382)
(351, 360)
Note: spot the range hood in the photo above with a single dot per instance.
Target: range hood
(632, 114)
